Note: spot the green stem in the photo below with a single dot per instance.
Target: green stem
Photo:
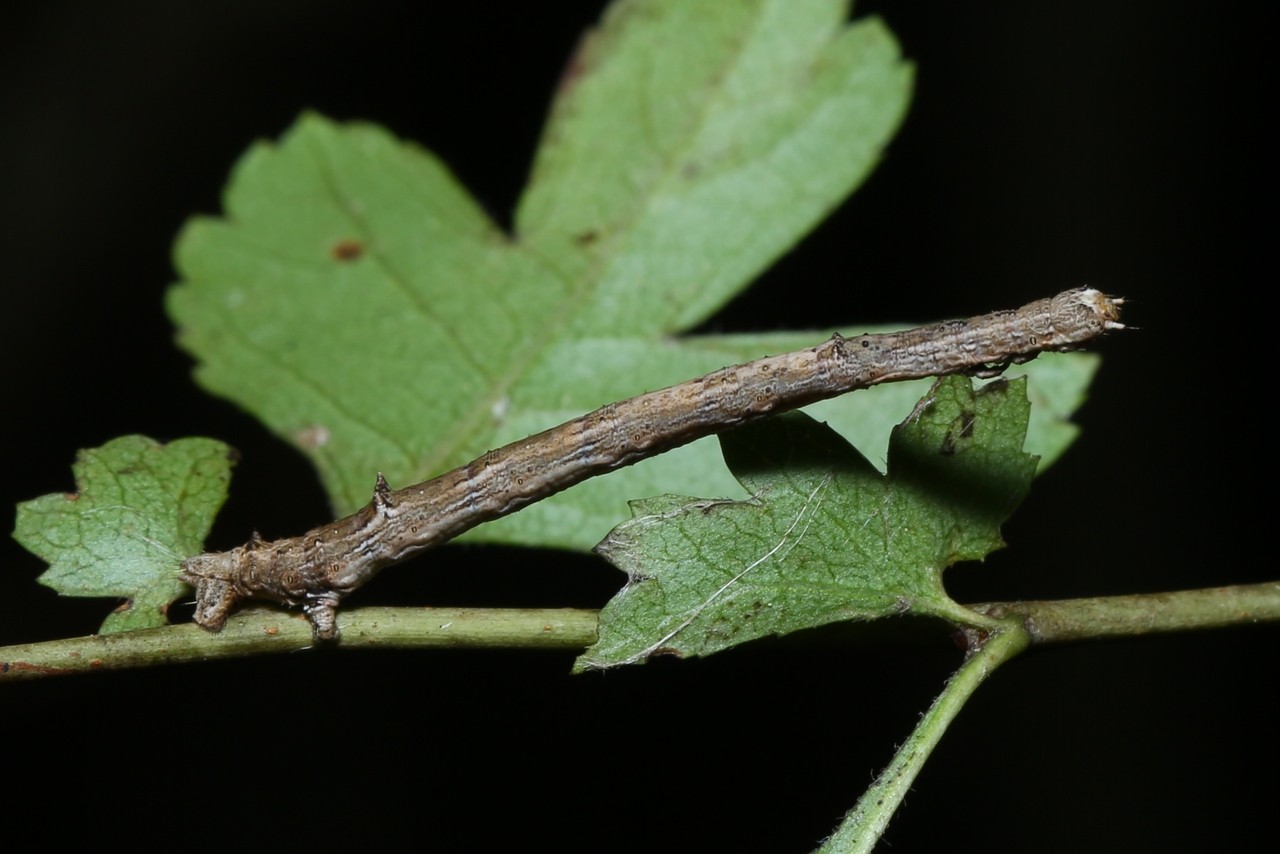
(262, 631)
(1142, 614)
(866, 822)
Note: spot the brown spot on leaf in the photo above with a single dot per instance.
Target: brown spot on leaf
(348, 249)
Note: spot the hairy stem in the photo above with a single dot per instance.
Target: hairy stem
(866, 822)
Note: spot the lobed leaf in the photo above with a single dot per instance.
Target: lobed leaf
(825, 536)
(139, 509)
(357, 300)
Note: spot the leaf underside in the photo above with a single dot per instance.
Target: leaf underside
(356, 298)
(825, 536)
(139, 509)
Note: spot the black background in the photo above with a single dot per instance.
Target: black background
(1049, 144)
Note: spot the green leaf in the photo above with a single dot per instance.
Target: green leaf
(825, 537)
(139, 509)
(356, 299)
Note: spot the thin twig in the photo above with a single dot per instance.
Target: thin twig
(1141, 614)
(262, 631)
